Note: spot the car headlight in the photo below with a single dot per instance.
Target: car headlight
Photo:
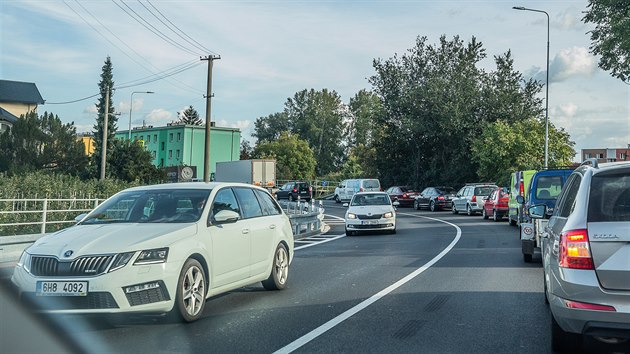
(121, 260)
(25, 261)
(351, 216)
(157, 255)
(388, 215)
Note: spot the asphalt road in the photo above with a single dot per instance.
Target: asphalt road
(443, 283)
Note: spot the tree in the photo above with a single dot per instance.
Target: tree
(295, 160)
(41, 143)
(269, 128)
(437, 102)
(246, 150)
(131, 162)
(189, 116)
(506, 147)
(611, 37)
(106, 83)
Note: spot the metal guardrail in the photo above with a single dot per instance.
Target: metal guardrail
(306, 220)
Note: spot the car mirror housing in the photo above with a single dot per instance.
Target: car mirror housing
(520, 199)
(226, 216)
(537, 211)
(80, 217)
(396, 203)
(346, 204)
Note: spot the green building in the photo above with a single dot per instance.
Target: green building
(180, 144)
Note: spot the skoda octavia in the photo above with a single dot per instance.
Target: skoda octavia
(160, 249)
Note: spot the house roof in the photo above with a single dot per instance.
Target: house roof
(19, 92)
(6, 116)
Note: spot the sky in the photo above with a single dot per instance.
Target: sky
(269, 50)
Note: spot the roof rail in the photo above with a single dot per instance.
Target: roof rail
(593, 162)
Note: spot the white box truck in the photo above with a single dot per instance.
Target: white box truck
(257, 172)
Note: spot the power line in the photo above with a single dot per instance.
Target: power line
(123, 42)
(152, 28)
(79, 100)
(198, 45)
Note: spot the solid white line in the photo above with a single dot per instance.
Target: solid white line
(315, 243)
(354, 310)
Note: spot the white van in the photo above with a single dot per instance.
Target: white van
(347, 188)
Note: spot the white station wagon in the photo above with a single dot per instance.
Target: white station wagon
(160, 249)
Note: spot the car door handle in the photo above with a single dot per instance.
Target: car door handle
(245, 231)
(272, 226)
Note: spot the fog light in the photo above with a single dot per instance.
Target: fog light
(142, 287)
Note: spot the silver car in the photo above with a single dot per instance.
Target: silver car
(586, 256)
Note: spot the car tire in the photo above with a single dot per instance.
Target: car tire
(393, 232)
(454, 210)
(190, 294)
(512, 222)
(495, 216)
(279, 269)
(527, 258)
(562, 341)
(349, 233)
(337, 200)
(291, 197)
(545, 289)
(432, 206)
(416, 205)
(483, 214)
(469, 211)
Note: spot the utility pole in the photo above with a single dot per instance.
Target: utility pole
(105, 123)
(206, 156)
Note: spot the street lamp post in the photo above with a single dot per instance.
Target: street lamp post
(131, 108)
(546, 86)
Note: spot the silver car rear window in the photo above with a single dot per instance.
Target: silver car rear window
(609, 197)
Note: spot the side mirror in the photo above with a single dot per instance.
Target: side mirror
(520, 199)
(537, 211)
(346, 205)
(226, 216)
(396, 203)
(80, 217)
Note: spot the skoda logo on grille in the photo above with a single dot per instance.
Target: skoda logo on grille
(369, 214)
(68, 253)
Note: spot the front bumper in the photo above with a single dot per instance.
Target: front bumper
(371, 225)
(154, 292)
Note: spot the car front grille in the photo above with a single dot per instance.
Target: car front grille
(92, 301)
(368, 217)
(379, 226)
(82, 266)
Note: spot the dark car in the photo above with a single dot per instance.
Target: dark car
(434, 198)
(291, 191)
(496, 204)
(402, 194)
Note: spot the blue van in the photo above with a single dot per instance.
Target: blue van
(544, 188)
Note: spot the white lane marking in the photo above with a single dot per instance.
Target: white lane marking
(357, 308)
(332, 237)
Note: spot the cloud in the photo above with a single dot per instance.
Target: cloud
(568, 20)
(157, 117)
(571, 62)
(568, 109)
(90, 109)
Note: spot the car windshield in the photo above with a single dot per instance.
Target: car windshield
(370, 199)
(371, 183)
(446, 190)
(151, 206)
(484, 191)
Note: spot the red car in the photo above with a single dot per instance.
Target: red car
(496, 204)
(402, 194)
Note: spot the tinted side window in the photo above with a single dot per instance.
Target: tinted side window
(225, 200)
(609, 198)
(568, 198)
(269, 207)
(248, 202)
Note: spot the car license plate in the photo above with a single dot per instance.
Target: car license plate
(369, 222)
(62, 288)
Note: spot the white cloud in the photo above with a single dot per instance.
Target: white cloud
(571, 62)
(568, 109)
(157, 117)
(90, 109)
